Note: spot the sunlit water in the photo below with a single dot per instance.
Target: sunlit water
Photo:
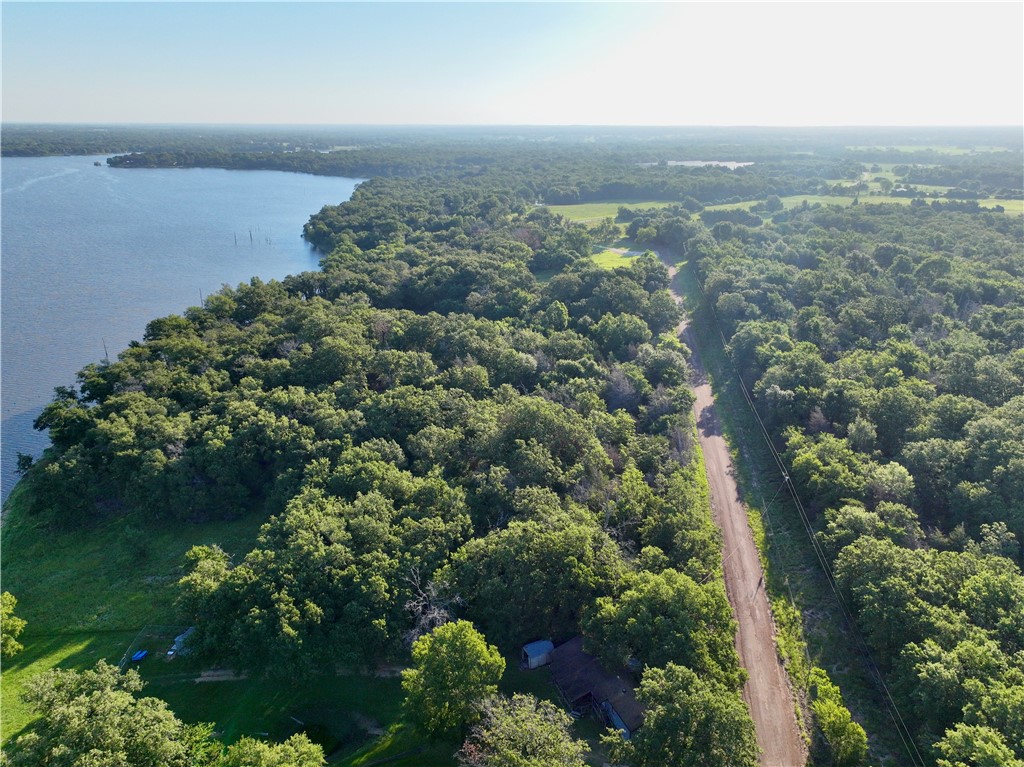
(91, 254)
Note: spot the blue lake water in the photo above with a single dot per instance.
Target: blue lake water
(91, 254)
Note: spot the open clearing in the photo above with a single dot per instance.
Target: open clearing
(609, 258)
(947, 149)
(592, 212)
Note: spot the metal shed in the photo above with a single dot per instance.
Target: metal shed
(537, 654)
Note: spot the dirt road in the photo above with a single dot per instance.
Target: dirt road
(767, 691)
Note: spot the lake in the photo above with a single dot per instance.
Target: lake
(91, 254)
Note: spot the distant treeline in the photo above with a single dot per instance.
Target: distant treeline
(540, 174)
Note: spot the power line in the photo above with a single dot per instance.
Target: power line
(902, 730)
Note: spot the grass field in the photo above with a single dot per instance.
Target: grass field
(609, 259)
(592, 212)
(86, 593)
(1011, 207)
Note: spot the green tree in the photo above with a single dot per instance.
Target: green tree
(970, 745)
(556, 316)
(846, 739)
(618, 334)
(93, 718)
(667, 617)
(826, 466)
(534, 577)
(689, 722)
(11, 626)
(297, 751)
(524, 732)
(454, 670)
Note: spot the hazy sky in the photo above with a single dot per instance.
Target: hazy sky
(520, 63)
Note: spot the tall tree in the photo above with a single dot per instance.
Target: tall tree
(297, 751)
(689, 723)
(454, 670)
(522, 731)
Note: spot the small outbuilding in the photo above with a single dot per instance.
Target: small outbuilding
(537, 654)
(180, 646)
(585, 684)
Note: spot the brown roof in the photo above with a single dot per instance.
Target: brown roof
(578, 674)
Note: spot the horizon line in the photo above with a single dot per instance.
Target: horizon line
(141, 124)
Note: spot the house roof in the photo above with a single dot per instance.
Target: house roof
(579, 674)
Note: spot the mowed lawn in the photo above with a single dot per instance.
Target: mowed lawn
(946, 149)
(609, 259)
(592, 212)
(85, 593)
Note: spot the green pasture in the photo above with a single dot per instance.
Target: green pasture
(1013, 207)
(591, 212)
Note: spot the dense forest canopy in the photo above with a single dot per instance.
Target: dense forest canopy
(885, 353)
(462, 416)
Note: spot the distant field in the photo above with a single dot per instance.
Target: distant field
(593, 212)
(1012, 207)
(937, 148)
(589, 212)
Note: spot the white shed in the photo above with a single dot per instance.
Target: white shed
(537, 654)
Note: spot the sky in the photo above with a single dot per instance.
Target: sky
(525, 63)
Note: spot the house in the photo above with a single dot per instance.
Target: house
(585, 684)
(537, 654)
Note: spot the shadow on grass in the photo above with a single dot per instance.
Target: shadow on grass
(78, 651)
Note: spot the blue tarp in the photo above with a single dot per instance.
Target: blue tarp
(140, 655)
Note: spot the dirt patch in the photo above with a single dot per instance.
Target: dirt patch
(767, 690)
(221, 675)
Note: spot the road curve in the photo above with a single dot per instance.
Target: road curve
(767, 690)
